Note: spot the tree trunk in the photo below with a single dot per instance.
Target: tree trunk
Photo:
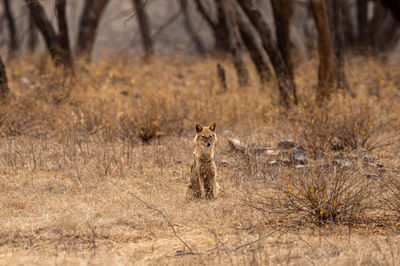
(89, 21)
(228, 14)
(335, 19)
(347, 24)
(385, 31)
(221, 30)
(44, 25)
(326, 55)
(13, 43)
(253, 44)
(282, 10)
(393, 6)
(32, 34)
(63, 32)
(218, 27)
(4, 89)
(143, 21)
(362, 23)
(285, 83)
(190, 29)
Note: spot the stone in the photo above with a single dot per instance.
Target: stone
(280, 163)
(237, 145)
(298, 157)
(343, 163)
(286, 144)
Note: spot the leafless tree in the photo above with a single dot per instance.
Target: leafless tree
(393, 6)
(285, 83)
(4, 89)
(253, 44)
(335, 15)
(143, 21)
(362, 22)
(88, 25)
(63, 32)
(188, 24)
(282, 10)
(218, 25)
(32, 34)
(57, 44)
(46, 28)
(326, 67)
(13, 43)
(234, 41)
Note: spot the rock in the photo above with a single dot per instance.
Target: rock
(280, 163)
(286, 144)
(298, 157)
(343, 163)
(272, 152)
(25, 81)
(237, 145)
(372, 176)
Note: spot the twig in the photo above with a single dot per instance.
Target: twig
(170, 21)
(276, 230)
(135, 13)
(168, 221)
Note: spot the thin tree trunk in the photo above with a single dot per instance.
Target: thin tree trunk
(387, 37)
(218, 27)
(4, 89)
(253, 44)
(326, 55)
(394, 7)
(13, 43)
(221, 30)
(47, 30)
(335, 19)
(63, 32)
(347, 24)
(190, 29)
(88, 25)
(282, 10)
(32, 34)
(362, 23)
(285, 83)
(205, 14)
(228, 13)
(143, 21)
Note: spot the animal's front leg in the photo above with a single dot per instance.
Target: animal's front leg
(201, 185)
(214, 188)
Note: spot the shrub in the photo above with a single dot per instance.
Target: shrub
(327, 194)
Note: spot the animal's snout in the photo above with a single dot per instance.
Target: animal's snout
(208, 144)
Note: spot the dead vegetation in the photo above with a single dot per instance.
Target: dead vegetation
(93, 168)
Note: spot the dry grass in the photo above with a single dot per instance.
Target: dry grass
(79, 186)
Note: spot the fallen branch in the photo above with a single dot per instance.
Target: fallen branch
(168, 221)
(209, 251)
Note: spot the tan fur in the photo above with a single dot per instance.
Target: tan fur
(203, 181)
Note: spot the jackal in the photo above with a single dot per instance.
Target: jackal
(203, 182)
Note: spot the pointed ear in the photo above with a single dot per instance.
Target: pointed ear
(199, 128)
(212, 126)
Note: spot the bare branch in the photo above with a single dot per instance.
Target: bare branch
(165, 218)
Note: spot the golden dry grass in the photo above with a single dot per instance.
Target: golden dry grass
(78, 186)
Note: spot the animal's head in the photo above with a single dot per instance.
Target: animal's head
(205, 138)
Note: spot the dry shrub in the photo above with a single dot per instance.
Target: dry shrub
(347, 130)
(326, 194)
(391, 199)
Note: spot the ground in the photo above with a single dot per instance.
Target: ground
(80, 186)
